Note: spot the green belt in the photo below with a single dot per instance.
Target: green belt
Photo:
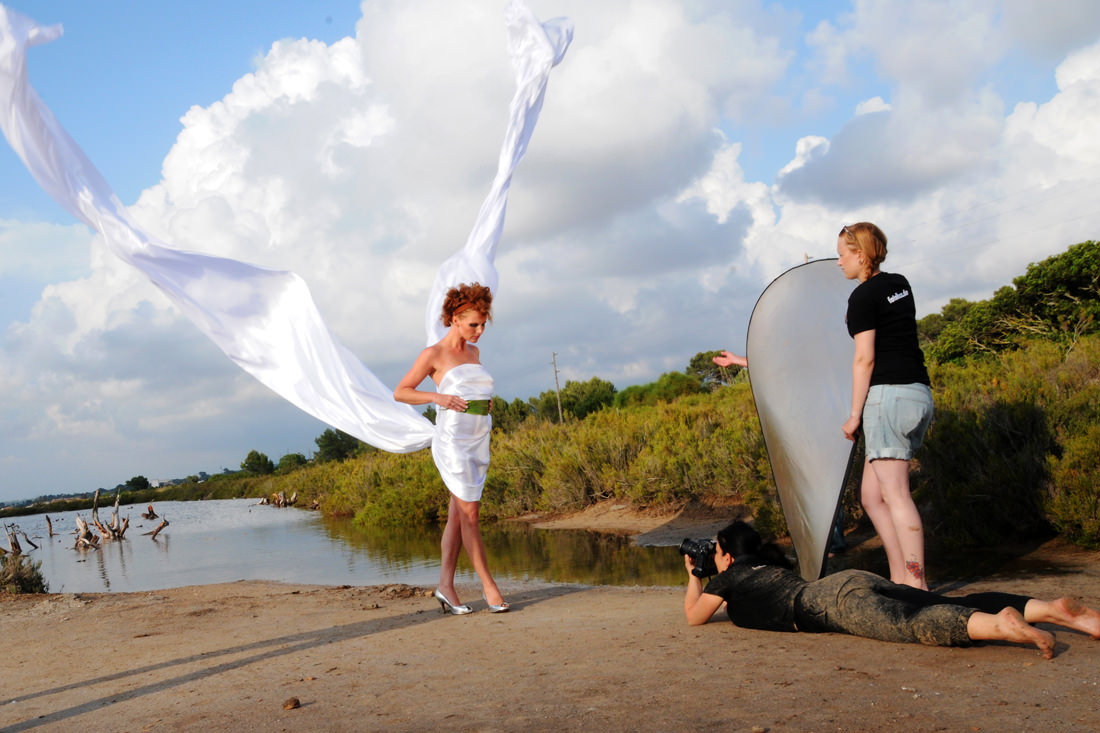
(477, 407)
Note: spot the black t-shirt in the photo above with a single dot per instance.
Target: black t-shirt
(758, 596)
(885, 303)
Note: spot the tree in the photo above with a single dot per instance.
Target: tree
(710, 374)
(667, 388)
(508, 415)
(257, 463)
(1057, 299)
(291, 462)
(578, 399)
(583, 398)
(336, 445)
(137, 483)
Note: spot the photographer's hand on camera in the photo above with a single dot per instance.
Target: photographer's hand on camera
(699, 561)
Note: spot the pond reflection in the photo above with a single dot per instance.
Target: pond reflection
(224, 541)
(519, 552)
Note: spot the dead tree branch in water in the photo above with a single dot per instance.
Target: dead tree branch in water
(163, 523)
(279, 500)
(13, 541)
(114, 530)
(85, 540)
(28, 540)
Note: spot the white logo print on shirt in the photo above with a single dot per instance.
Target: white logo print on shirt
(897, 296)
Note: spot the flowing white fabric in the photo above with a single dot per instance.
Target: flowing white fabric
(266, 320)
(461, 445)
(535, 48)
(801, 375)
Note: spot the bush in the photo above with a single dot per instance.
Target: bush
(1012, 451)
(1057, 299)
(19, 574)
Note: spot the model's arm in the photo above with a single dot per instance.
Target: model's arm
(863, 363)
(698, 606)
(407, 391)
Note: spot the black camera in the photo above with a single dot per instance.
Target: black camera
(701, 552)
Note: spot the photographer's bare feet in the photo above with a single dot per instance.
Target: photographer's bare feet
(1073, 614)
(1011, 626)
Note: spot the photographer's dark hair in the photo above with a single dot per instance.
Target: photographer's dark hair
(741, 540)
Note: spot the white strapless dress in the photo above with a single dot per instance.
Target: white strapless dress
(461, 443)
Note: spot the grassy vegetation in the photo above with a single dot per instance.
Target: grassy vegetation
(20, 574)
(222, 486)
(1012, 454)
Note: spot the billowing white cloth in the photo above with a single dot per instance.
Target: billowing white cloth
(461, 445)
(266, 320)
(534, 49)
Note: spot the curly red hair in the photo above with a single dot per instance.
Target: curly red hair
(465, 297)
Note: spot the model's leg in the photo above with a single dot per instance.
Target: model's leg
(450, 545)
(893, 482)
(1068, 612)
(1009, 625)
(870, 495)
(469, 512)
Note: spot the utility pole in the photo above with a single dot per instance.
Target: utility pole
(557, 387)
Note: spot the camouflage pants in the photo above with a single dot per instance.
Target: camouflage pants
(863, 604)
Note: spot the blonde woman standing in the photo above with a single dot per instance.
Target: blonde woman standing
(891, 396)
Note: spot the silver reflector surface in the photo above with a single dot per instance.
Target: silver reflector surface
(800, 359)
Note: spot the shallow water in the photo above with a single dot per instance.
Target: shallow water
(225, 541)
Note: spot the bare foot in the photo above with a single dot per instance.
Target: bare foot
(1071, 613)
(1012, 627)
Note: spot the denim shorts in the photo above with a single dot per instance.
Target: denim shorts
(895, 418)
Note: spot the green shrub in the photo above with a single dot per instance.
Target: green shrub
(1073, 503)
(19, 574)
(1012, 452)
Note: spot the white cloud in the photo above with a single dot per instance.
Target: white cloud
(935, 50)
(38, 253)
(634, 236)
(874, 104)
(1051, 30)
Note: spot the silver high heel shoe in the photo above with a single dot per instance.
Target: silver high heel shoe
(502, 608)
(446, 606)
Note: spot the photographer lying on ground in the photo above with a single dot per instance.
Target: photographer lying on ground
(761, 592)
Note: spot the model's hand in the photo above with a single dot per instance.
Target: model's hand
(728, 359)
(451, 402)
(851, 428)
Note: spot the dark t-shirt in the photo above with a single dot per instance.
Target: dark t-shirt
(885, 303)
(758, 596)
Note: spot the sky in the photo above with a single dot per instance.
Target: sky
(688, 152)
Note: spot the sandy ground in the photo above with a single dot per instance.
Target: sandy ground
(590, 658)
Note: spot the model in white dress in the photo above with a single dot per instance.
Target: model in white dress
(461, 443)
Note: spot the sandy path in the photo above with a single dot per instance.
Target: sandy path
(228, 656)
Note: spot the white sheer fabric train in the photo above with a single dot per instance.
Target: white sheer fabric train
(266, 320)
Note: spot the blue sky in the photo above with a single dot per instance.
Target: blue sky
(688, 152)
(152, 61)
